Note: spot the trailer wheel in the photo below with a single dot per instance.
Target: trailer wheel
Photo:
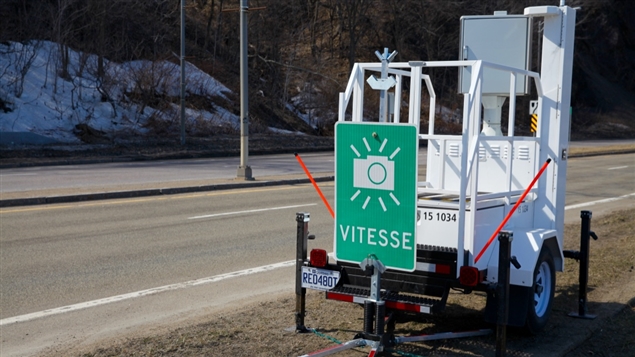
(541, 293)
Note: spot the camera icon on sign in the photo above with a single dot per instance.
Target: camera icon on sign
(374, 172)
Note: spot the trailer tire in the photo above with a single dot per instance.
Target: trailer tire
(541, 293)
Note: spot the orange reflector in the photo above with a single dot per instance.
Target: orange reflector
(319, 258)
(470, 276)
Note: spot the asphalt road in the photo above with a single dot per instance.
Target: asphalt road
(103, 259)
(57, 255)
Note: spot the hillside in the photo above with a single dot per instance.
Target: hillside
(300, 53)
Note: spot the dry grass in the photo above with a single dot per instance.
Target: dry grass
(260, 330)
(601, 150)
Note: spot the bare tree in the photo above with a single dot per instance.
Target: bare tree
(22, 57)
(353, 18)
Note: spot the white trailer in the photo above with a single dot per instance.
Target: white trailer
(430, 236)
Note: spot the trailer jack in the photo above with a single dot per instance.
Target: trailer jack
(375, 334)
(583, 257)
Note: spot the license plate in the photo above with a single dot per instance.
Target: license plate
(319, 279)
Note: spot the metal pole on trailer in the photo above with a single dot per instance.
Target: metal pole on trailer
(385, 59)
(317, 188)
(302, 220)
(502, 290)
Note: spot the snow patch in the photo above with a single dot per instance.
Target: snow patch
(36, 96)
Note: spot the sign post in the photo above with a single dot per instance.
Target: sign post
(376, 193)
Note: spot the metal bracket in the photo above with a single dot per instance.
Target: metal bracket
(383, 83)
(373, 265)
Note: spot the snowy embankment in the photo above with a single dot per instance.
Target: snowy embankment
(40, 95)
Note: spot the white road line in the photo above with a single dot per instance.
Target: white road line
(606, 200)
(212, 279)
(617, 168)
(251, 211)
(84, 305)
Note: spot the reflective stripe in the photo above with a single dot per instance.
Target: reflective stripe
(434, 268)
(344, 297)
(403, 306)
(426, 267)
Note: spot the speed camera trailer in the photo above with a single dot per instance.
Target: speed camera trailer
(404, 243)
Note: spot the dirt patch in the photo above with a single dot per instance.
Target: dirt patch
(259, 329)
(609, 339)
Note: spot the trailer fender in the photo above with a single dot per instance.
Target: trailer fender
(526, 247)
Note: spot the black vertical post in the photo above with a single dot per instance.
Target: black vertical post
(585, 238)
(502, 290)
(369, 316)
(302, 220)
(380, 315)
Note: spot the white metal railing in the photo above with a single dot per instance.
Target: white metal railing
(471, 139)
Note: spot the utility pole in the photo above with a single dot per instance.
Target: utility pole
(244, 170)
(182, 72)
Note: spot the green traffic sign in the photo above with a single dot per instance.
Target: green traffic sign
(376, 193)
